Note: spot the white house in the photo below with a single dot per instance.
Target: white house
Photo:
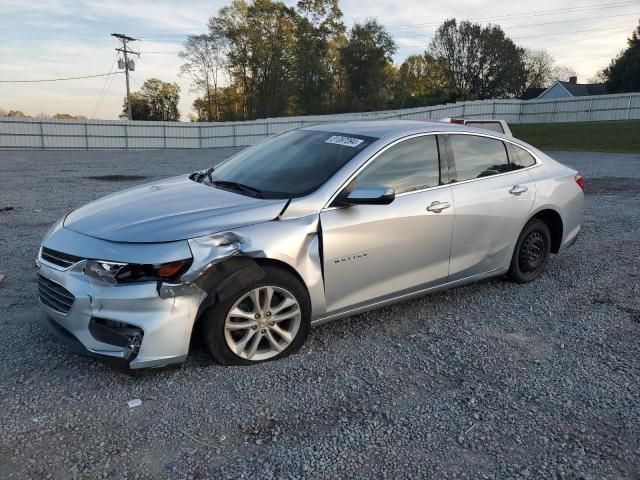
(572, 88)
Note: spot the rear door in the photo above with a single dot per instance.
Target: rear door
(376, 251)
(492, 199)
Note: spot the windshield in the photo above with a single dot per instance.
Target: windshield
(292, 164)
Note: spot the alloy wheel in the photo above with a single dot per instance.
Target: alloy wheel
(262, 323)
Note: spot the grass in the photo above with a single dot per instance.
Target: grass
(581, 136)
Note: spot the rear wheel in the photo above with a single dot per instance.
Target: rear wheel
(265, 321)
(531, 253)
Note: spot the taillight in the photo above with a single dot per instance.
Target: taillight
(580, 181)
(459, 121)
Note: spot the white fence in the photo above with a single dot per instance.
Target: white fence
(48, 134)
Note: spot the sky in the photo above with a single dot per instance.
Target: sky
(45, 39)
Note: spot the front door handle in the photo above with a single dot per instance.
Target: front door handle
(518, 189)
(437, 207)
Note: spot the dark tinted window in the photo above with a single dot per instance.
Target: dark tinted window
(493, 126)
(520, 158)
(477, 157)
(292, 164)
(409, 165)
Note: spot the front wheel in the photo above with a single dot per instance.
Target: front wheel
(531, 253)
(264, 321)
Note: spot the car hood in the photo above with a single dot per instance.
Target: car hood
(168, 210)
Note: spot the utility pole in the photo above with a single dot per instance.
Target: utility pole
(127, 66)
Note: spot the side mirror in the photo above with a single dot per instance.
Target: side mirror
(368, 195)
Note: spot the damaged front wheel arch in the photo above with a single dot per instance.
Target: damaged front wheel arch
(273, 314)
(228, 277)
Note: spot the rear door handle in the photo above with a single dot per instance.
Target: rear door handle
(437, 207)
(517, 190)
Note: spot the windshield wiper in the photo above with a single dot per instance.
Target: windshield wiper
(254, 192)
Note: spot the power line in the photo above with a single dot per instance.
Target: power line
(173, 37)
(573, 9)
(166, 51)
(565, 41)
(104, 96)
(526, 15)
(588, 59)
(104, 88)
(570, 33)
(539, 24)
(59, 79)
(567, 34)
(179, 38)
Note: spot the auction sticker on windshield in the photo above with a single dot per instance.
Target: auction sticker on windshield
(345, 141)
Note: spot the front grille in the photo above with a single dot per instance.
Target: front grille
(54, 295)
(59, 258)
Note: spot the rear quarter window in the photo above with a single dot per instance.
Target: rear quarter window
(520, 158)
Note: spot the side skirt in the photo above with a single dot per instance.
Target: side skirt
(379, 303)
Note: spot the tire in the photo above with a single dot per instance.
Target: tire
(531, 254)
(225, 332)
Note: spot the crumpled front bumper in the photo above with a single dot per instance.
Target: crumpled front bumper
(163, 315)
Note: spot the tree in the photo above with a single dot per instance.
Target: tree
(156, 100)
(259, 40)
(203, 58)
(3, 112)
(140, 108)
(317, 29)
(15, 113)
(276, 60)
(563, 73)
(599, 77)
(623, 73)
(228, 101)
(272, 45)
(68, 116)
(364, 58)
(539, 65)
(541, 70)
(231, 27)
(421, 81)
(480, 62)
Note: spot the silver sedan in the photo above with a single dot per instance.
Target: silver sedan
(307, 226)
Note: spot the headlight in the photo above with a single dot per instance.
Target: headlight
(115, 272)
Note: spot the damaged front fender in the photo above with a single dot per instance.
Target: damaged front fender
(225, 263)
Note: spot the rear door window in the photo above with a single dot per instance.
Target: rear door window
(477, 157)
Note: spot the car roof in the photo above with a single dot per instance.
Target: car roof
(383, 128)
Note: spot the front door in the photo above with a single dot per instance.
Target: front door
(377, 251)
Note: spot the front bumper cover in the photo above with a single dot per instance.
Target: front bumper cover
(163, 314)
(75, 346)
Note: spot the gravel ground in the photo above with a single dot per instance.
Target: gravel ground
(491, 380)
